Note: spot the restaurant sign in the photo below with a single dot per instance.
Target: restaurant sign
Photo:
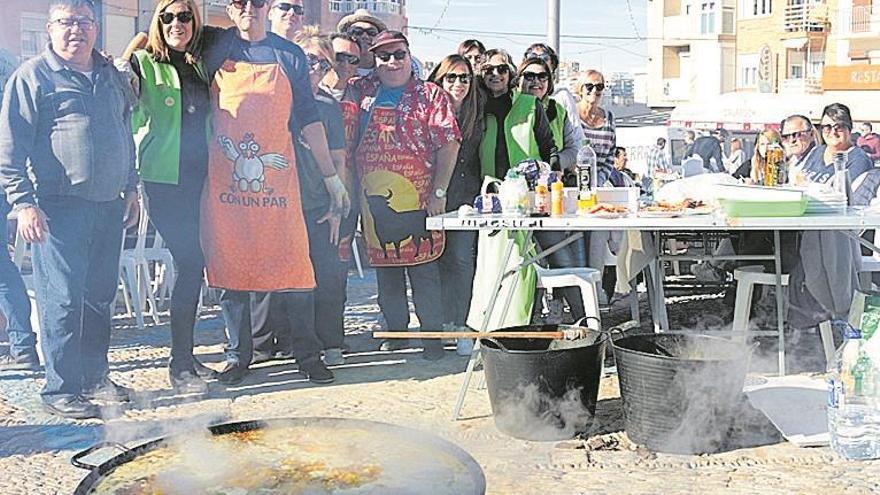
(851, 77)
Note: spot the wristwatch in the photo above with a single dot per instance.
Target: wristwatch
(439, 193)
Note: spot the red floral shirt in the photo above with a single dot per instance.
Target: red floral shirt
(424, 114)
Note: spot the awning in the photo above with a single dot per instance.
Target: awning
(745, 111)
(795, 43)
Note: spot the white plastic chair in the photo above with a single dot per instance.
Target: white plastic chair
(746, 279)
(692, 165)
(587, 279)
(633, 296)
(134, 267)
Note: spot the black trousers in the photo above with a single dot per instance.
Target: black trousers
(174, 210)
(272, 331)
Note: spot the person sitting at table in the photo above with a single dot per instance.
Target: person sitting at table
(799, 141)
(753, 169)
(836, 127)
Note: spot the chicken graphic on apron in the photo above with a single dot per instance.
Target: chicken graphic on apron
(249, 170)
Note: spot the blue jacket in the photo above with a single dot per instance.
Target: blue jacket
(73, 135)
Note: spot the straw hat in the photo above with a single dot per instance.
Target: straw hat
(360, 15)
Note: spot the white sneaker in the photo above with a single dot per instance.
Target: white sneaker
(464, 347)
(333, 356)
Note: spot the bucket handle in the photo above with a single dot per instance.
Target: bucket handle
(580, 322)
(498, 343)
(76, 459)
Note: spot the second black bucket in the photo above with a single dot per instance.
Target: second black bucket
(679, 390)
(544, 389)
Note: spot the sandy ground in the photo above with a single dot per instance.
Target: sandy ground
(403, 389)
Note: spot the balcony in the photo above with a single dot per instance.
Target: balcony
(804, 86)
(375, 6)
(861, 20)
(809, 17)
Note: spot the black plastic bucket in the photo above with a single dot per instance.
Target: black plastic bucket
(679, 390)
(544, 389)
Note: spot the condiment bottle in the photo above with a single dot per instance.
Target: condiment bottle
(557, 208)
(542, 197)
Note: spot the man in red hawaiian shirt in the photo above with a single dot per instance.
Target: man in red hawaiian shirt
(407, 150)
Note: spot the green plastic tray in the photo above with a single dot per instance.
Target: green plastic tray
(743, 208)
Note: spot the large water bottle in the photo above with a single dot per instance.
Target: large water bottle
(587, 175)
(840, 179)
(853, 407)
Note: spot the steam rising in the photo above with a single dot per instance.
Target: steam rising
(530, 412)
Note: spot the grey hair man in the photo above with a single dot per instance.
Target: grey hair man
(65, 122)
(798, 139)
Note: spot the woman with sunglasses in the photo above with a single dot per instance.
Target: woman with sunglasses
(536, 79)
(322, 221)
(456, 76)
(516, 124)
(170, 124)
(836, 128)
(596, 122)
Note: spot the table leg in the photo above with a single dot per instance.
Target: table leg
(661, 320)
(490, 308)
(780, 318)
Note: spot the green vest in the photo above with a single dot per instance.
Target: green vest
(557, 125)
(519, 134)
(156, 120)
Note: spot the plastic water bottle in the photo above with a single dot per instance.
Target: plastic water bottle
(840, 180)
(853, 407)
(587, 177)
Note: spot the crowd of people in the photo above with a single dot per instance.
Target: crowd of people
(256, 151)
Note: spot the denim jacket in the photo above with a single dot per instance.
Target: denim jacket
(64, 135)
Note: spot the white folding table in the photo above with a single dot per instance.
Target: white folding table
(853, 219)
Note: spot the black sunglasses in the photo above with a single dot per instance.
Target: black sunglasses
(286, 7)
(498, 69)
(348, 58)
(463, 77)
(240, 4)
(588, 87)
(543, 56)
(317, 63)
(795, 135)
(184, 17)
(386, 56)
(827, 128)
(531, 76)
(359, 31)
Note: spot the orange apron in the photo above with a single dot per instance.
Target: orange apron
(253, 232)
(396, 187)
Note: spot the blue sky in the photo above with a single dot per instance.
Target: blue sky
(579, 17)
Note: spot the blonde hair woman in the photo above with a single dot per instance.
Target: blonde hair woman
(170, 125)
(759, 159)
(596, 122)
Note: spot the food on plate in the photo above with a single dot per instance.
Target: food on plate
(608, 208)
(674, 206)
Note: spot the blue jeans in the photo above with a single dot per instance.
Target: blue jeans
(77, 272)
(14, 302)
(457, 266)
(425, 284)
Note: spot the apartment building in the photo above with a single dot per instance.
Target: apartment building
(788, 55)
(691, 50)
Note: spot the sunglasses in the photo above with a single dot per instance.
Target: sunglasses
(386, 56)
(588, 87)
(240, 4)
(532, 76)
(84, 23)
(319, 64)
(795, 135)
(348, 58)
(543, 56)
(827, 128)
(287, 7)
(184, 17)
(497, 69)
(450, 78)
(359, 31)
